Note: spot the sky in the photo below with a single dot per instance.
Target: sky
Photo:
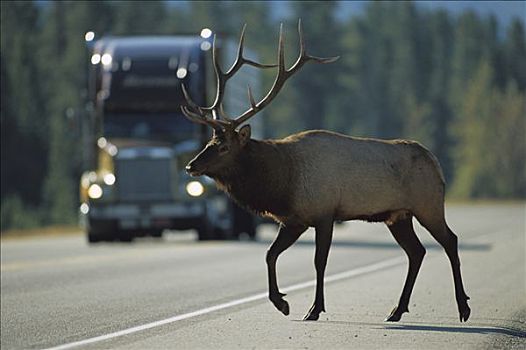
(504, 11)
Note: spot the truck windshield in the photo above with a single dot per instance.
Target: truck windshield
(170, 127)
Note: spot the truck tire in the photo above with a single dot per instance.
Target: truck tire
(125, 236)
(205, 231)
(101, 230)
(156, 233)
(92, 238)
(244, 222)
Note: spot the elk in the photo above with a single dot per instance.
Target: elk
(312, 178)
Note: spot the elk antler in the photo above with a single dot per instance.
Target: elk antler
(283, 75)
(199, 114)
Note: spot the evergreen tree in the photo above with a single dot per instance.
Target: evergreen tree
(314, 89)
(452, 83)
(441, 39)
(491, 149)
(140, 17)
(472, 132)
(510, 142)
(515, 52)
(212, 14)
(469, 50)
(350, 95)
(178, 20)
(23, 125)
(65, 62)
(261, 38)
(374, 67)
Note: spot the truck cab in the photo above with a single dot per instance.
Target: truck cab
(136, 143)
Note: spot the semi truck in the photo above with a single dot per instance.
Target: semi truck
(136, 141)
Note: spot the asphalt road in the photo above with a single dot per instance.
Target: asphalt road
(177, 293)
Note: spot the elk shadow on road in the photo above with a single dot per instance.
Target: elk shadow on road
(480, 329)
(383, 245)
(488, 330)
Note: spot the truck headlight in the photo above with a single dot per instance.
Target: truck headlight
(95, 191)
(109, 179)
(84, 208)
(195, 188)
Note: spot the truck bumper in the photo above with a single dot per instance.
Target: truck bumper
(147, 216)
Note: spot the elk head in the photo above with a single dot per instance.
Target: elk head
(228, 141)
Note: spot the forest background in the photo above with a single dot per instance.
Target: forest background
(454, 82)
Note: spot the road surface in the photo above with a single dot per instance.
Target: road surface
(59, 292)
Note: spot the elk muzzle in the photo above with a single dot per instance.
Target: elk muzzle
(192, 170)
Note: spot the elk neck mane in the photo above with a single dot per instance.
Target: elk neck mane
(260, 180)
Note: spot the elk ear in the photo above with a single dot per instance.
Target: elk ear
(244, 134)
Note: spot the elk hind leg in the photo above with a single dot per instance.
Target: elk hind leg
(449, 241)
(404, 234)
(323, 244)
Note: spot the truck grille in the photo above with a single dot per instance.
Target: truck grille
(143, 179)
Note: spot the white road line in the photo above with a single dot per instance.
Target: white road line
(332, 278)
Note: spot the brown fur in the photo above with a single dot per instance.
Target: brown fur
(316, 177)
(317, 173)
(260, 180)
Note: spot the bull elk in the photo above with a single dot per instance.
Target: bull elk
(312, 178)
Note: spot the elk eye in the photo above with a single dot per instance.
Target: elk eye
(223, 149)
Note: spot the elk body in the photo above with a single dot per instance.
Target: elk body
(313, 178)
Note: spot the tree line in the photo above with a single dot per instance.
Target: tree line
(455, 83)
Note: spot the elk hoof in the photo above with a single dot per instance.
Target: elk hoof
(396, 315)
(313, 314)
(464, 313)
(281, 304)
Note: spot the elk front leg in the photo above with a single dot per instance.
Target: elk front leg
(323, 245)
(287, 235)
